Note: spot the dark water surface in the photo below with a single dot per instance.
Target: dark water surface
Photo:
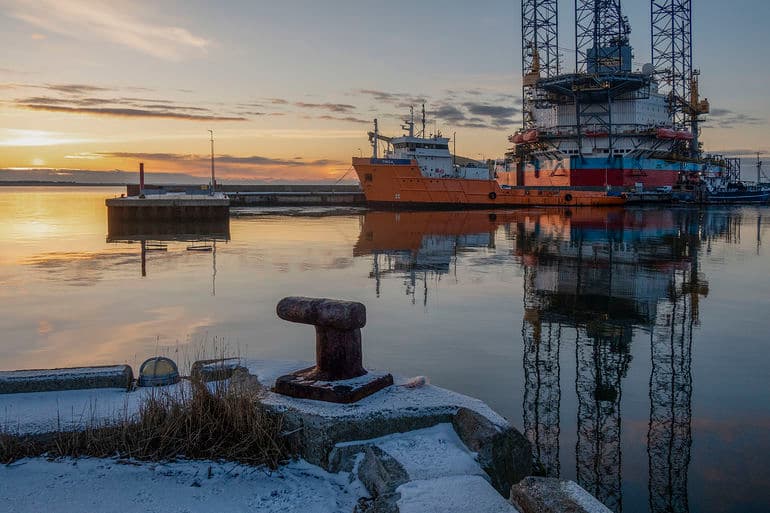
(630, 345)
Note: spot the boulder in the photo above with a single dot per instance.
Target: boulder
(550, 495)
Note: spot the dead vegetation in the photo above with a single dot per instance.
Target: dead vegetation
(194, 420)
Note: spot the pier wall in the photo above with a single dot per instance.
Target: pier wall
(273, 195)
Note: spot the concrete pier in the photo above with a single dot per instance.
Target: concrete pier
(168, 207)
(260, 195)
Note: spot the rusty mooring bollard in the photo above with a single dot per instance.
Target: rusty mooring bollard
(338, 351)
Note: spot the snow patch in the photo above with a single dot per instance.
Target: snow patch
(452, 494)
(44, 374)
(391, 401)
(428, 453)
(115, 486)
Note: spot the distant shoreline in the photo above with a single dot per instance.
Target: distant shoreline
(33, 183)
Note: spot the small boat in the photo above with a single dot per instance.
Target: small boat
(720, 189)
(737, 193)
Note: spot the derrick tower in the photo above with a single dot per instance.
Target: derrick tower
(539, 50)
(673, 64)
(601, 36)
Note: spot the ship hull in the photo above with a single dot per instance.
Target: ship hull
(624, 172)
(737, 197)
(399, 183)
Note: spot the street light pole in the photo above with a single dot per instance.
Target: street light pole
(213, 180)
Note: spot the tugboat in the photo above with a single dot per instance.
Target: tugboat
(722, 187)
(418, 170)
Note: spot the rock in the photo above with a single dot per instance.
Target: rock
(242, 381)
(550, 495)
(74, 378)
(503, 452)
(380, 473)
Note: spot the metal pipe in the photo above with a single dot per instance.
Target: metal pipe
(141, 178)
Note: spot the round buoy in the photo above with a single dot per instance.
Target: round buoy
(158, 371)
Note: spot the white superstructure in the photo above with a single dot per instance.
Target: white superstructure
(431, 153)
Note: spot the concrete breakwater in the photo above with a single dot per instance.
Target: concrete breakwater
(273, 194)
(414, 446)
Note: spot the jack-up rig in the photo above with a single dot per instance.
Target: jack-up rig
(605, 123)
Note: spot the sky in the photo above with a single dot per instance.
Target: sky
(290, 88)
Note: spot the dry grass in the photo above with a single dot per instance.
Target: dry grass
(199, 421)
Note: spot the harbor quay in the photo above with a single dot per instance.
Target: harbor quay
(400, 444)
(253, 195)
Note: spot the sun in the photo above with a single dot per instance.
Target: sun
(37, 161)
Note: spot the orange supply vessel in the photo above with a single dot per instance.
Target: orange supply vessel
(418, 171)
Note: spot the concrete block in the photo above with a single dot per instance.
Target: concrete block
(75, 378)
(216, 369)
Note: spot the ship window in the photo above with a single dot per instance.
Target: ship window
(368, 177)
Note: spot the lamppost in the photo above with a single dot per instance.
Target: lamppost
(213, 180)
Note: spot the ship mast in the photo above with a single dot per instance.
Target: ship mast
(423, 121)
(375, 140)
(409, 122)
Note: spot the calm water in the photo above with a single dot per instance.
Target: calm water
(630, 345)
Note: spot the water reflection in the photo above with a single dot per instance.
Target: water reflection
(592, 279)
(199, 236)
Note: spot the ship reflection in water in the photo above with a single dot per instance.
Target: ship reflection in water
(594, 281)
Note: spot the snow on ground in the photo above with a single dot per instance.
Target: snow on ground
(391, 401)
(444, 473)
(43, 412)
(108, 485)
(451, 494)
(428, 453)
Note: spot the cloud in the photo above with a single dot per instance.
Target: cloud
(128, 112)
(115, 23)
(74, 88)
(470, 108)
(726, 118)
(253, 160)
(84, 156)
(349, 119)
(333, 107)
(23, 137)
(75, 102)
(381, 96)
(449, 113)
(493, 111)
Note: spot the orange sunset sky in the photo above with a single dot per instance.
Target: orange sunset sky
(290, 88)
